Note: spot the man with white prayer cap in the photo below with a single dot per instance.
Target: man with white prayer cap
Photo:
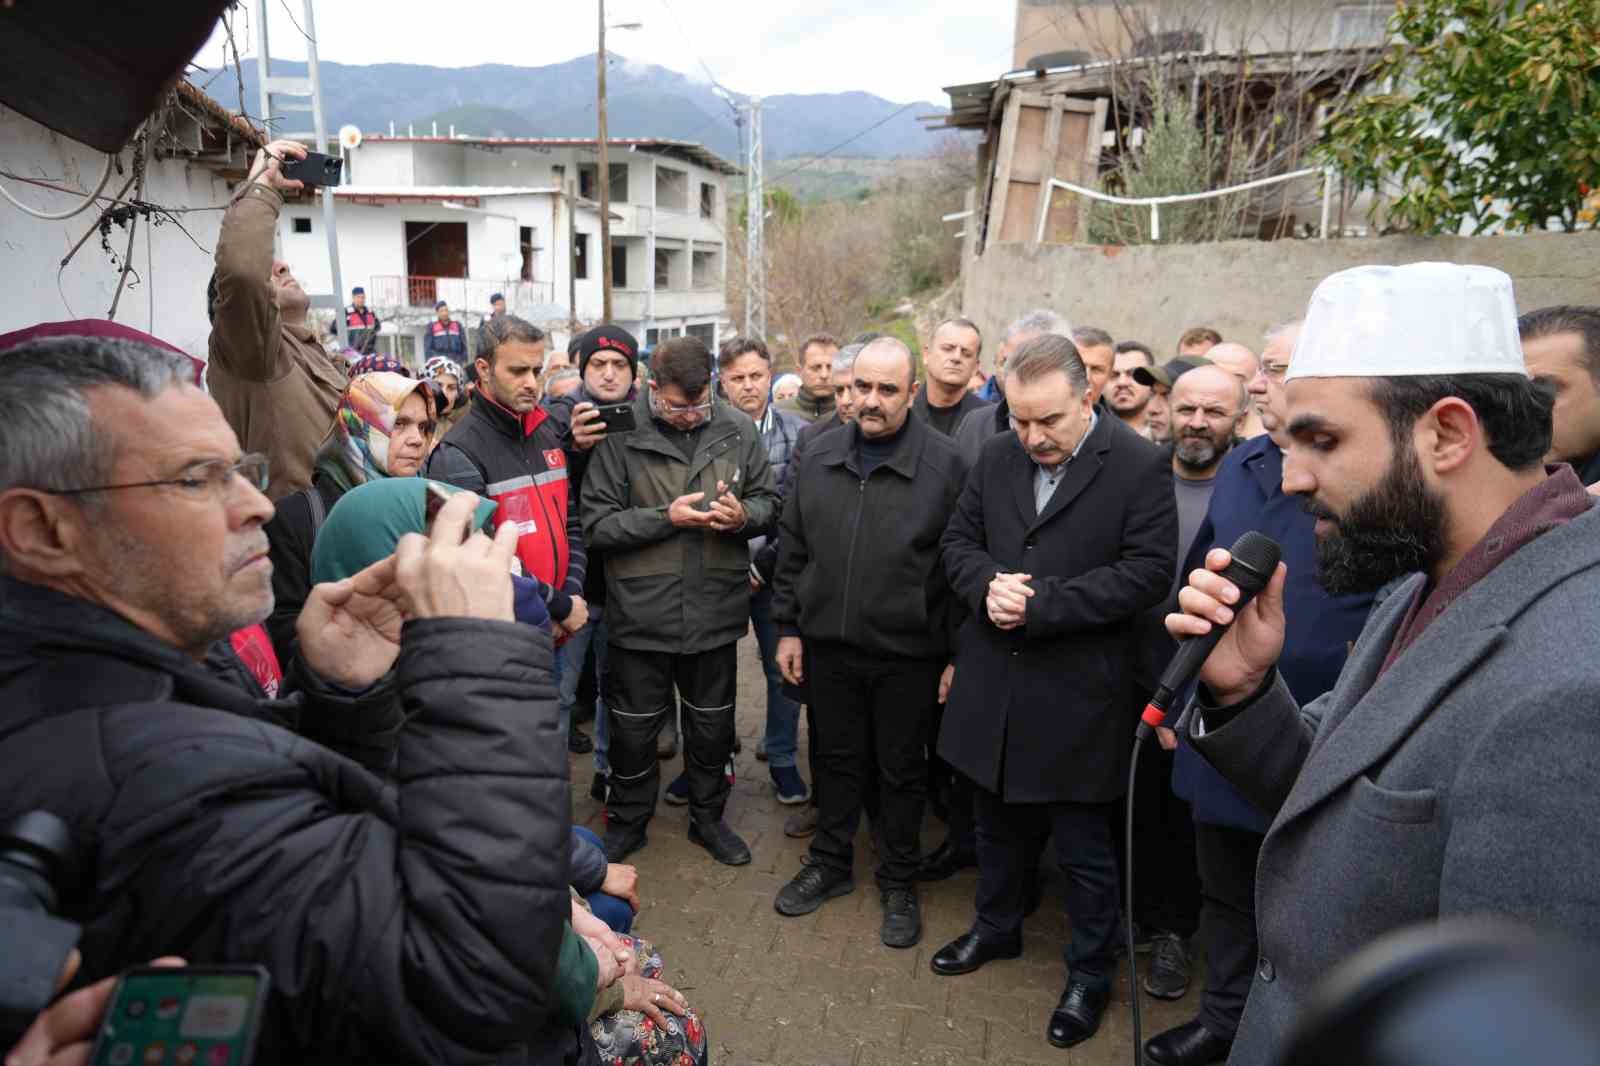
(1455, 766)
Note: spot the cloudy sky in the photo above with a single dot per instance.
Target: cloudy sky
(902, 50)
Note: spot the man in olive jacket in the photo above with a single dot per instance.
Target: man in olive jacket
(673, 505)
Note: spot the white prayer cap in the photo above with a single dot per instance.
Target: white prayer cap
(1405, 321)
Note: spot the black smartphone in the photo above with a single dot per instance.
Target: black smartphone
(183, 1016)
(618, 417)
(314, 169)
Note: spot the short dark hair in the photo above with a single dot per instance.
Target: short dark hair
(734, 347)
(211, 298)
(1199, 335)
(1136, 346)
(682, 361)
(1567, 318)
(1048, 353)
(1513, 409)
(964, 323)
(827, 340)
(503, 329)
(1092, 337)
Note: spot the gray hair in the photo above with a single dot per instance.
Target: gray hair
(844, 360)
(566, 373)
(1048, 353)
(1282, 330)
(1092, 337)
(1039, 321)
(48, 438)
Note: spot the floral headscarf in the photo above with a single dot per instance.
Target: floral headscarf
(374, 364)
(358, 450)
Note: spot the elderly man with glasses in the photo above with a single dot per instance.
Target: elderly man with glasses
(673, 505)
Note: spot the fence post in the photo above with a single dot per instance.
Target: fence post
(1327, 199)
(1155, 222)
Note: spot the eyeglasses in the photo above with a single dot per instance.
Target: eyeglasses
(691, 409)
(207, 479)
(1275, 371)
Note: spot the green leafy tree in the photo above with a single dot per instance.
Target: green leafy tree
(1489, 117)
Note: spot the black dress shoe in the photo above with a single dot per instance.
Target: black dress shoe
(723, 843)
(969, 951)
(1190, 1044)
(946, 861)
(1077, 1017)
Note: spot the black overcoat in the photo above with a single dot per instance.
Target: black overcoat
(1046, 712)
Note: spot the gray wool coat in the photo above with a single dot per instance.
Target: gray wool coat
(1465, 780)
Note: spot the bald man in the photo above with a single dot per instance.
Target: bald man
(1242, 363)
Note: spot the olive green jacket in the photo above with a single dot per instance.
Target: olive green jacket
(670, 589)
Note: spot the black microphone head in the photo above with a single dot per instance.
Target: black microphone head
(1255, 557)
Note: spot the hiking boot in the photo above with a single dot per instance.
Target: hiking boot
(801, 823)
(813, 886)
(902, 918)
(723, 843)
(620, 842)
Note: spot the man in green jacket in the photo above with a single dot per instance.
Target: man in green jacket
(673, 504)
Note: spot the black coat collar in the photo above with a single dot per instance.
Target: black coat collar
(844, 449)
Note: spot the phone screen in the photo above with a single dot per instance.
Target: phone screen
(184, 1016)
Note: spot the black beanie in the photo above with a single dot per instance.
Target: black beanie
(612, 337)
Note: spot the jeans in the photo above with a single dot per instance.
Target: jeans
(783, 714)
(872, 717)
(615, 911)
(569, 672)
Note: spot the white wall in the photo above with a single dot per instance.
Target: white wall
(381, 163)
(171, 269)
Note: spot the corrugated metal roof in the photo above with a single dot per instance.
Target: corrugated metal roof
(689, 150)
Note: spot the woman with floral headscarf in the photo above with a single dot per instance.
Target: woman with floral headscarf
(383, 428)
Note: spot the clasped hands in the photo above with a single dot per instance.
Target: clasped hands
(1007, 602)
(725, 515)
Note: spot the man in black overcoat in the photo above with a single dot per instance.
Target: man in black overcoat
(1065, 535)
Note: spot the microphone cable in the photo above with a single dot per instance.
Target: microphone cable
(1127, 922)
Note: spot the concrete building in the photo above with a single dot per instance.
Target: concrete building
(422, 219)
(201, 150)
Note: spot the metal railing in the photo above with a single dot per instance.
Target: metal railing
(462, 294)
(1155, 202)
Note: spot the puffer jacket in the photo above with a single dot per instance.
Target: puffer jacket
(410, 906)
(669, 589)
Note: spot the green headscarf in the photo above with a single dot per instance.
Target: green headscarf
(369, 520)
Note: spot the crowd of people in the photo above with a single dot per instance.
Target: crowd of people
(300, 652)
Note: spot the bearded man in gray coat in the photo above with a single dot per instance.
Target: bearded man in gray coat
(1453, 768)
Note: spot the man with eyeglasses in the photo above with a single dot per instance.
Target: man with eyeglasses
(673, 505)
(389, 841)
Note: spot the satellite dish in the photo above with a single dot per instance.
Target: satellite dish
(349, 137)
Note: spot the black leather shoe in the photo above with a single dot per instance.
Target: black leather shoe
(723, 843)
(969, 951)
(813, 886)
(1077, 1017)
(620, 843)
(946, 861)
(578, 741)
(902, 918)
(1190, 1044)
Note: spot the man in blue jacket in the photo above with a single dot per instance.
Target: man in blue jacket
(1228, 829)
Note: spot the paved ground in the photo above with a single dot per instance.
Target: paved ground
(822, 989)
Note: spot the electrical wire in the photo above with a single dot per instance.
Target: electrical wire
(57, 216)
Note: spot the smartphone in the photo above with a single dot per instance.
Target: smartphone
(434, 500)
(618, 417)
(185, 1016)
(314, 169)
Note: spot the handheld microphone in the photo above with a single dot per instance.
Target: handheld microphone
(1255, 558)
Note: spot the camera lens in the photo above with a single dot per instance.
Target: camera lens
(35, 848)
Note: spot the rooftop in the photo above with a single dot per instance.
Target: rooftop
(689, 151)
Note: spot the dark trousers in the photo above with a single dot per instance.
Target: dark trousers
(1010, 837)
(870, 721)
(1228, 909)
(956, 791)
(640, 700)
(1166, 884)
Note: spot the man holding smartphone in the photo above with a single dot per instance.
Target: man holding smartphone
(673, 505)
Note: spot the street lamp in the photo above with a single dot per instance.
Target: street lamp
(603, 179)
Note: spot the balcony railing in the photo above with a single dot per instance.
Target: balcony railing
(463, 294)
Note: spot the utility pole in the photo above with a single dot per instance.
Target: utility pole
(603, 178)
(572, 258)
(755, 209)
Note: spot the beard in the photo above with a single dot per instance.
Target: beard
(1396, 528)
(1197, 452)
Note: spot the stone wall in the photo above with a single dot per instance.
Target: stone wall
(1153, 293)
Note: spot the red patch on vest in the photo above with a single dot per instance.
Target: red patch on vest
(554, 458)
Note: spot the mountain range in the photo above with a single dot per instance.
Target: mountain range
(558, 100)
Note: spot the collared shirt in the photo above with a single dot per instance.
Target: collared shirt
(1045, 479)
